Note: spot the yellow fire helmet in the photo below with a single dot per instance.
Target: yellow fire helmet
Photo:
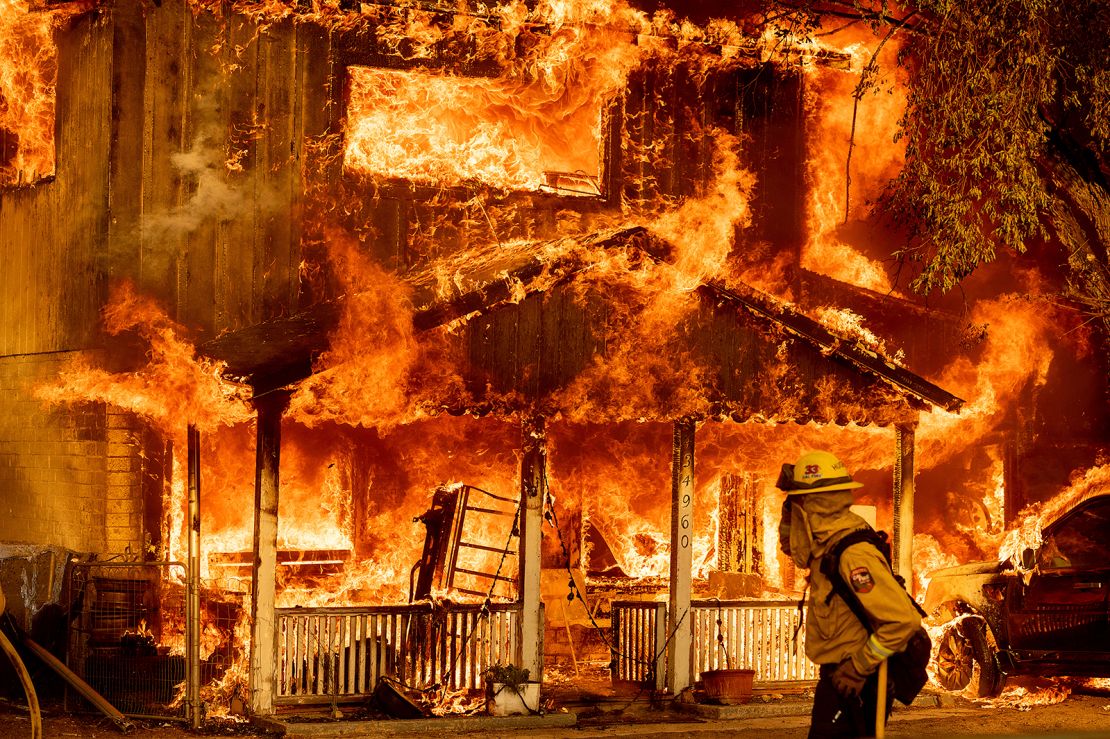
(815, 472)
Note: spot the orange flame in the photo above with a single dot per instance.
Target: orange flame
(928, 556)
(28, 72)
(174, 388)
(1026, 531)
(540, 116)
(1025, 699)
(364, 441)
(852, 153)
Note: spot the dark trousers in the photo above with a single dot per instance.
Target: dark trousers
(837, 716)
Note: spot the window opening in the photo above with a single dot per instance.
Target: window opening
(28, 74)
(451, 130)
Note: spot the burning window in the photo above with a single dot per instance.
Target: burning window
(449, 130)
(28, 69)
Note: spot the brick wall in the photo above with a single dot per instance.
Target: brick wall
(71, 476)
(124, 499)
(52, 471)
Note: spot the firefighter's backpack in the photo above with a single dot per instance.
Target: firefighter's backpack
(906, 668)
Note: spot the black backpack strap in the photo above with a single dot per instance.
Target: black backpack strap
(830, 567)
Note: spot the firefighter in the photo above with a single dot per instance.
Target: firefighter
(815, 516)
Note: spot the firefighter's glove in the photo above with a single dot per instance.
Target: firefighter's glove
(847, 680)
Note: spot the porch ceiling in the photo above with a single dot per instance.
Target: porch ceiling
(281, 352)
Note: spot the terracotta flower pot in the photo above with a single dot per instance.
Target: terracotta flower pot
(728, 687)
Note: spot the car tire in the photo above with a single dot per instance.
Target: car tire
(965, 660)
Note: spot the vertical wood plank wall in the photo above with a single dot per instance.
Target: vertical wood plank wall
(50, 233)
(138, 90)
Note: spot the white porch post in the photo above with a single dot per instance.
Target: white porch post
(192, 599)
(902, 544)
(264, 645)
(682, 509)
(533, 487)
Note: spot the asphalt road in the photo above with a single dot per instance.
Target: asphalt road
(1086, 715)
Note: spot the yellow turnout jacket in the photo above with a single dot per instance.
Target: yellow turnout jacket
(833, 632)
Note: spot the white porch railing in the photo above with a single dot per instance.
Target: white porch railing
(639, 633)
(757, 635)
(339, 654)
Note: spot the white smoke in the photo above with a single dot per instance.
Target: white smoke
(214, 197)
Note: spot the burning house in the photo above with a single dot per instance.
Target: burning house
(344, 339)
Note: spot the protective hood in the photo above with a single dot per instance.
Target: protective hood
(811, 523)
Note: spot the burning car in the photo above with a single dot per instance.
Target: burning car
(1042, 611)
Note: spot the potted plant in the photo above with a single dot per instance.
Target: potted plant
(728, 686)
(509, 692)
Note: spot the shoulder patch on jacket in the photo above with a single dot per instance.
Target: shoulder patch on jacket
(861, 580)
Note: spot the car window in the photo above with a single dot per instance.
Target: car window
(1081, 540)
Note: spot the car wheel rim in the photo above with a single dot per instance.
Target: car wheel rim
(955, 661)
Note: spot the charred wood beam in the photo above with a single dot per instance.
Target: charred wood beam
(492, 294)
(276, 353)
(279, 353)
(527, 269)
(497, 291)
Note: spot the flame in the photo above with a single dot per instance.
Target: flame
(28, 72)
(374, 348)
(620, 476)
(840, 243)
(702, 228)
(846, 323)
(446, 130)
(228, 692)
(927, 557)
(1025, 699)
(1095, 683)
(1018, 343)
(447, 702)
(541, 115)
(1027, 530)
(141, 629)
(174, 388)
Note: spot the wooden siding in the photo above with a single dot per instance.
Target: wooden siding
(141, 87)
(226, 89)
(136, 89)
(51, 233)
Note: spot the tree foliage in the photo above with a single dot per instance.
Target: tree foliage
(1007, 109)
